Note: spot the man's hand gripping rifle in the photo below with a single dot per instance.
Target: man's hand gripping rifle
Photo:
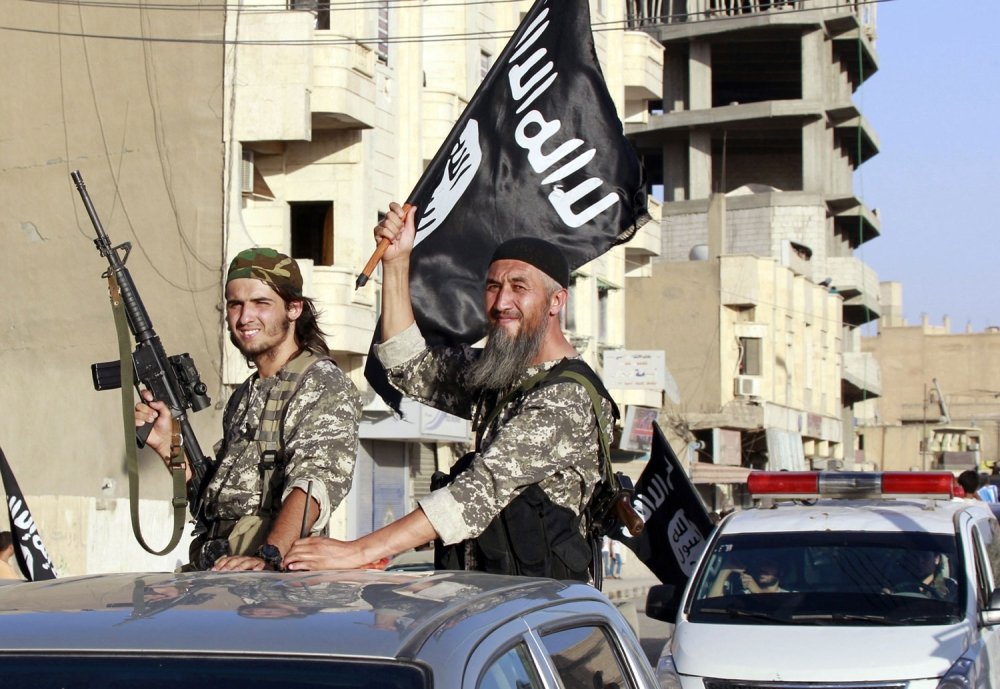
(174, 379)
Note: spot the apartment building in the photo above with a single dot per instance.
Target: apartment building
(757, 126)
(205, 130)
(940, 408)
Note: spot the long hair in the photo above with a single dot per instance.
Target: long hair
(307, 331)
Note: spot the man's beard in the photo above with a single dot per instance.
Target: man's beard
(269, 331)
(505, 357)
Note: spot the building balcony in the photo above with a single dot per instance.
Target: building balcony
(861, 377)
(643, 67)
(343, 86)
(854, 134)
(704, 17)
(347, 316)
(857, 283)
(276, 82)
(440, 111)
(646, 244)
(853, 220)
(749, 116)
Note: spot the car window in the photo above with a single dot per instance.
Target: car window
(513, 670)
(850, 578)
(585, 658)
(169, 672)
(987, 533)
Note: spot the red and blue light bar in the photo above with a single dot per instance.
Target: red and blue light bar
(852, 484)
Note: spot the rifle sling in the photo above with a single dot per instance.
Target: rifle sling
(177, 461)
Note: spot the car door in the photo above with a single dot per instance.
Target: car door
(572, 645)
(986, 543)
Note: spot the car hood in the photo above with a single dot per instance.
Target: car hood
(770, 653)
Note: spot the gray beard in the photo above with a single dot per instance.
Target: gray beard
(504, 359)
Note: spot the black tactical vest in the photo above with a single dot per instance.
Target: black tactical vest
(532, 536)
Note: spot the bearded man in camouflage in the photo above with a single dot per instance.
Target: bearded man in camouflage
(290, 431)
(515, 505)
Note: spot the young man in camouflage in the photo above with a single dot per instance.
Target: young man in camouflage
(290, 432)
(515, 504)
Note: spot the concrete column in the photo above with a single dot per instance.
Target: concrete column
(675, 78)
(675, 171)
(700, 165)
(700, 75)
(816, 59)
(817, 147)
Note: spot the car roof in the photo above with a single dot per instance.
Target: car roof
(901, 515)
(367, 614)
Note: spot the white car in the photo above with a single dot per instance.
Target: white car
(348, 630)
(841, 579)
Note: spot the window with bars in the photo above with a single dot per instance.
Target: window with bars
(382, 49)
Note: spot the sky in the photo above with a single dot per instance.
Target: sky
(934, 104)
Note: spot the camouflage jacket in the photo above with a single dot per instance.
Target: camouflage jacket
(320, 442)
(547, 436)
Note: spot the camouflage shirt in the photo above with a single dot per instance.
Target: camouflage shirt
(320, 441)
(547, 436)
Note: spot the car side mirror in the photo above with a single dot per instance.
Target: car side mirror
(663, 601)
(991, 614)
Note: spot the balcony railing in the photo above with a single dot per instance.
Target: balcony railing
(643, 13)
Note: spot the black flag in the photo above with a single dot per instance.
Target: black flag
(30, 552)
(677, 523)
(538, 151)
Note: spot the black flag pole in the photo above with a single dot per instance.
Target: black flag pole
(30, 552)
(538, 151)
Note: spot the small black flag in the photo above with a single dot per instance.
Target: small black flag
(538, 151)
(677, 523)
(30, 552)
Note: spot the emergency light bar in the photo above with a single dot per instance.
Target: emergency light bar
(805, 485)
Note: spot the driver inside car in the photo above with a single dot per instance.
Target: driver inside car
(921, 572)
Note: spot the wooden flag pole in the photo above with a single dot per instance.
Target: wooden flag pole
(366, 272)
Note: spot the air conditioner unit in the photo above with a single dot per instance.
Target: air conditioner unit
(747, 386)
(246, 172)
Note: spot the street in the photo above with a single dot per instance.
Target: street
(653, 634)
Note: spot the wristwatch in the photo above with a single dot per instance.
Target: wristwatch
(271, 556)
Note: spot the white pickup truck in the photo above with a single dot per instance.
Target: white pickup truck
(841, 579)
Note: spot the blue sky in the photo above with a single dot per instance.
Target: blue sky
(935, 106)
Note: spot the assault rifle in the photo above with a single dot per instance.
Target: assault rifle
(172, 379)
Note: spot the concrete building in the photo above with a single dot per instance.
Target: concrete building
(940, 406)
(758, 112)
(205, 130)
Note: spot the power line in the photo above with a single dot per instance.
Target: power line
(629, 24)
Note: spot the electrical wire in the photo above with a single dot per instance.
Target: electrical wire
(627, 24)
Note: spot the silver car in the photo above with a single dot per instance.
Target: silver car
(315, 629)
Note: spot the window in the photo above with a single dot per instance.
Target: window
(585, 657)
(320, 8)
(512, 670)
(830, 578)
(603, 293)
(750, 356)
(382, 50)
(312, 231)
(568, 315)
(484, 64)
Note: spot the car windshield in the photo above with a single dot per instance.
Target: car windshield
(830, 578)
(153, 671)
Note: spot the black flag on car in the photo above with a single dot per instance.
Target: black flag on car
(30, 552)
(677, 523)
(538, 151)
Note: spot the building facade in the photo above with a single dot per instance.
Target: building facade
(940, 407)
(754, 146)
(201, 131)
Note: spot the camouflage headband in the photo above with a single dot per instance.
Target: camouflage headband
(267, 265)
